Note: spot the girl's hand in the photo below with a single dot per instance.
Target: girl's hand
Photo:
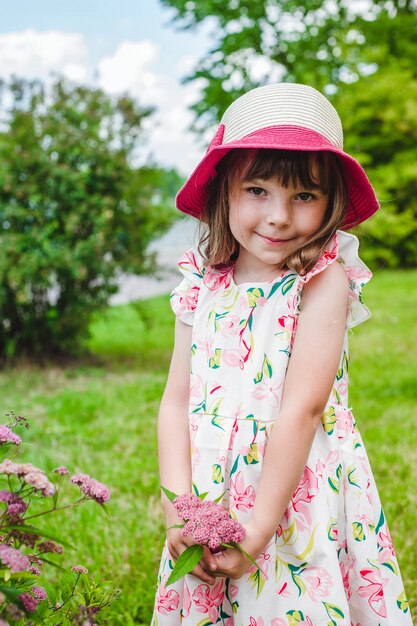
(232, 562)
(177, 543)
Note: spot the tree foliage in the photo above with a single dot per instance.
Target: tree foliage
(361, 54)
(74, 211)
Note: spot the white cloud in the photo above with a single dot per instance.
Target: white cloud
(132, 68)
(34, 54)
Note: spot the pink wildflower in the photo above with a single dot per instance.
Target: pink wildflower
(8, 467)
(40, 482)
(29, 602)
(16, 507)
(34, 570)
(49, 546)
(39, 593)
(3, 623)
(91, 488)
(79, 569)
(208, 522)
(12, 558)
(8, 436)
(5, 496)
(62, 470)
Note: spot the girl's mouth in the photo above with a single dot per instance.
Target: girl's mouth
(273, 240)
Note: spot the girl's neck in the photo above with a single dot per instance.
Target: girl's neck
(248, 273)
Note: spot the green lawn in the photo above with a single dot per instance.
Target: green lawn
(98, 417)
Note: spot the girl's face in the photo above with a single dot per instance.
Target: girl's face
(269, 222)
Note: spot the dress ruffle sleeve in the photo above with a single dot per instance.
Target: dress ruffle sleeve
(184, 298)
(343, 247)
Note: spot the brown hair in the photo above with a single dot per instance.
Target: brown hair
(301, 169)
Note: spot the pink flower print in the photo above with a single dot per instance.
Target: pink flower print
(369, 491)
(342, 388)
(345, 423)
(345, 577)
(208, 600)
(206, 346)
(256, 622)
(387, 553)
(197, 390)
(277, 621)
(261, 301)
(264, 562)
(186, 602)
(269, 391)
(303, 495)
(216, 277)
(185, 301)
(286, 321)
(167, 600)
(228, 325)
(230, 358)
(284, 592)
(242, 497)
(327, 466)
(374, 591)
(318, 582)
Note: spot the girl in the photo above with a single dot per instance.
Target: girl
(261, 414)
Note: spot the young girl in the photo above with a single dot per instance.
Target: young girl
(256, 406)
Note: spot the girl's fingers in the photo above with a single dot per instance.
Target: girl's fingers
(203, 575)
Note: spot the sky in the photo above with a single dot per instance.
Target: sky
(119, 45)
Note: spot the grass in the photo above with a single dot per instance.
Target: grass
(99, 417)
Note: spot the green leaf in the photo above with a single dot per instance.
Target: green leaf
(185, 563)
(38, 531)
(203, 496)
(169, 494)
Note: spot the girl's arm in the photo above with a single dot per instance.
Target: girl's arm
(174, 440)
(308, 384)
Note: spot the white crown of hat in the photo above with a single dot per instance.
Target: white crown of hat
(282, 104)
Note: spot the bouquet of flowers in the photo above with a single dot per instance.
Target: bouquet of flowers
(209, 524)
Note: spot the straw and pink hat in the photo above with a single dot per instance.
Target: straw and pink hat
(285, 116)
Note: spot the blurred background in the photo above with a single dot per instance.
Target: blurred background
(105, 107)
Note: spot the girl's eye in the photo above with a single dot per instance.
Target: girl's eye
(305, 196)
(255, 191)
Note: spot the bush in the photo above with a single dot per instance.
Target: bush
(74, 211)
(26, 596)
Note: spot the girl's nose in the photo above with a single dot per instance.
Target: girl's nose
(279, 213)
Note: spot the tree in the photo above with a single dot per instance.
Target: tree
(361, 54)
(74, 210)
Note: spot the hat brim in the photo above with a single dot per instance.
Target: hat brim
(363, 203)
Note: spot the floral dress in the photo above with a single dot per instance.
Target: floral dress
(331, 561)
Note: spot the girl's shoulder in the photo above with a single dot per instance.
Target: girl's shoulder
(342, 253)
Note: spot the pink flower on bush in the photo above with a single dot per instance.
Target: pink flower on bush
(79, 569)
(8, 436)
(39, 593)
(242, 497)
(12, 558)
(29, 602)
(62, 470)
(208, 599)
(91, 488)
